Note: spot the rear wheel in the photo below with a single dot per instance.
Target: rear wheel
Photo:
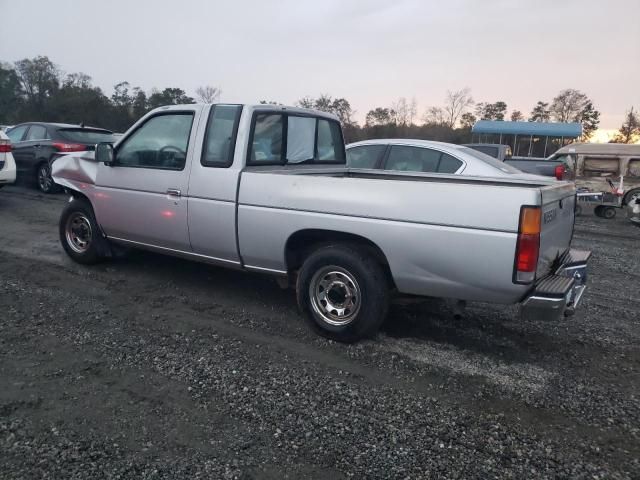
(343, 292)
(609, 213)
(79, 233)
(44, 180)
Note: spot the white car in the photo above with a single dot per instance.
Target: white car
(7, 163)
(428, 157)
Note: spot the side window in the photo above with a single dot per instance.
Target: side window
(161, 142)
(267, 139)
(16, 134)
(220, 137)
(365, 156)
(448, 164)
(412, 159)
(329, 142)
(37, 132)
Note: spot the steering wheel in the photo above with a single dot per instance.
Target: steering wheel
(171, 147)
(174, 149)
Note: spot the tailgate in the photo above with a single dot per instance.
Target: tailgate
(558, 213)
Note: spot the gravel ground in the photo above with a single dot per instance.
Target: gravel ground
(155, 367)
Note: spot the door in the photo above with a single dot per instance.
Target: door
(19, 148)
(213, 185)
(140, 197)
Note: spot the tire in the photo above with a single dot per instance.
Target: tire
(80, 235)
(343, 292)
(631, 195)
(609, 213)
(43, 179)
(598, 211)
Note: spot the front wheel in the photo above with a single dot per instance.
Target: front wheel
(343, 292)
(44, 180)
(79, 233)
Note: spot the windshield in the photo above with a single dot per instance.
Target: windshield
(86, 135)
(490, 160)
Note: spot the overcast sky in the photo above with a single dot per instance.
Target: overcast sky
(370, 52)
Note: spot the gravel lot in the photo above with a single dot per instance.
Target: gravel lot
(155, 367)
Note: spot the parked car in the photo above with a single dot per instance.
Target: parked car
(425, 156)
(592, 164)
(35, 145)
(495, 150)
(547, 167)
(7, 164)
(265, 188)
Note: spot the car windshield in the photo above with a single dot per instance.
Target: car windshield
(494, 162)
(87, 135)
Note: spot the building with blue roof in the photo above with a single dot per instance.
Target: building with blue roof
(527, 139)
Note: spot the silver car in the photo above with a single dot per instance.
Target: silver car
(428, 157)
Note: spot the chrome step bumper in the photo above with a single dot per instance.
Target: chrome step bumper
(557, 296)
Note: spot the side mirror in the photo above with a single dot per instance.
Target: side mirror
(104, 153)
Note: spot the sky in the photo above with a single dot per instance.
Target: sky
(370, 52)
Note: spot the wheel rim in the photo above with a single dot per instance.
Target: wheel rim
(335, 295)
(44, 178)
(78, 232)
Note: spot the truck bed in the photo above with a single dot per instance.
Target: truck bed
(442, 234)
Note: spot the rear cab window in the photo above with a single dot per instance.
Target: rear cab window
(287, 139)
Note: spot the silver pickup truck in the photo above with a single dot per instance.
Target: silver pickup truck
(265, 189)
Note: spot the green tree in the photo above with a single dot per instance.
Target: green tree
(491, 111)
(168, 96)
(10, 95)
(467, 120)
(589, 117)
(516, 116)
(540, 112)
(380, 116)
(630, 130)
(40, 79)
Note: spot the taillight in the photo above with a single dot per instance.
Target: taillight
(528, 245)
(5, 147)
(69, 147)
(559, 172)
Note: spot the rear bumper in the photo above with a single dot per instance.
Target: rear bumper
(558, 295)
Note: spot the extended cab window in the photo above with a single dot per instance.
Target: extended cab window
(220, 138)
(161, 142)
(290, 139)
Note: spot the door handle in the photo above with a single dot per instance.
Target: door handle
(174, 192)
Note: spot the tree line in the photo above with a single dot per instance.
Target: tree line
(36, 89)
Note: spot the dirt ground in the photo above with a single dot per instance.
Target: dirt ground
(155, 367)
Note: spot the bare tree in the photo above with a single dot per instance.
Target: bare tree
(435, 116)
(208, 94)
(457, 103)
(567, 105)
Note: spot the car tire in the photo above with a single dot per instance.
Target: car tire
(609, 213)
(43, 179)
(343, 292)
(80, 235)
(630, 196)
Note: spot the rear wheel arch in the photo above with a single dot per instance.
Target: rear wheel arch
(303, 243)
